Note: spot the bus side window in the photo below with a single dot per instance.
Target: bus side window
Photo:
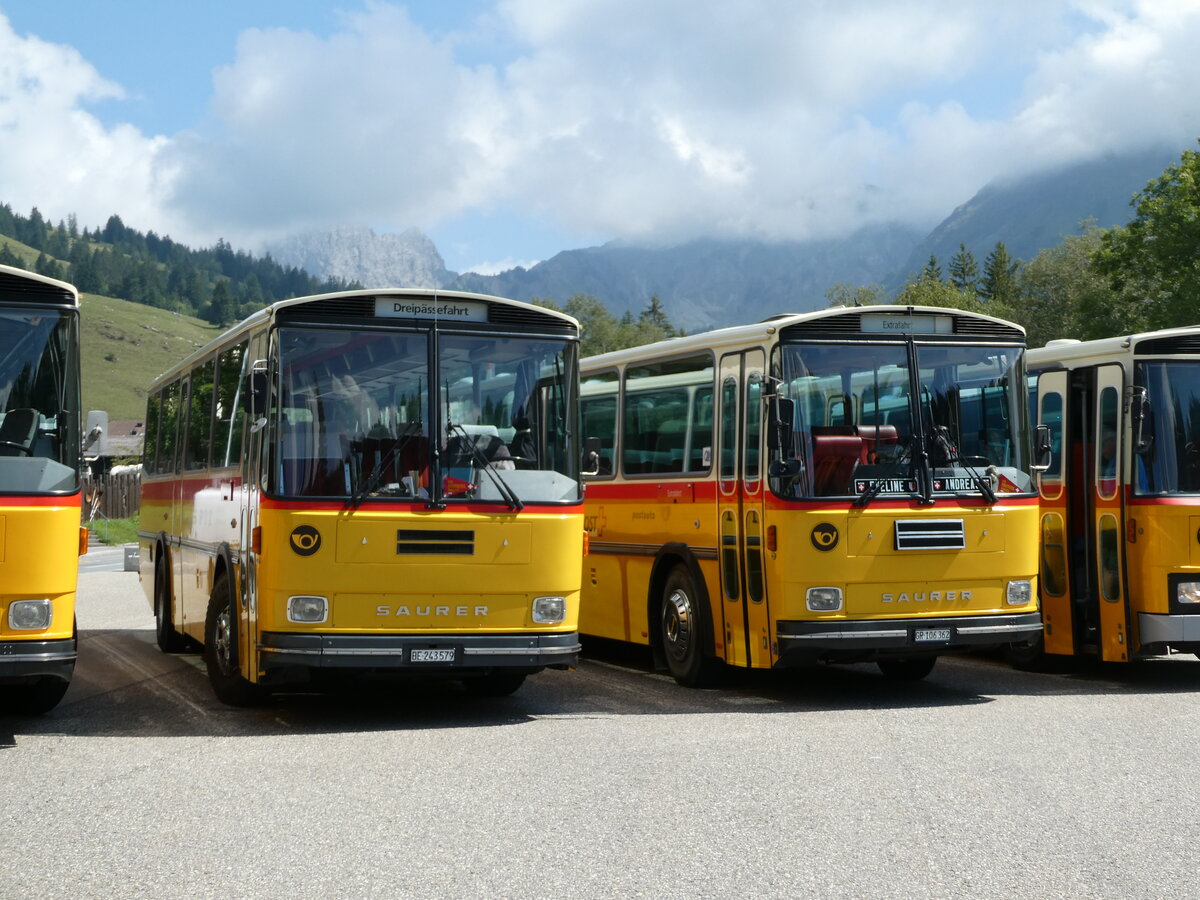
(598, 407)
(199, 429)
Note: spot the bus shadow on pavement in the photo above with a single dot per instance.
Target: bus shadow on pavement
(125, 687)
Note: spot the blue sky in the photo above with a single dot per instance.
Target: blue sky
(508, 130)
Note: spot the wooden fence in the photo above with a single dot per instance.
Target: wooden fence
(112, 496)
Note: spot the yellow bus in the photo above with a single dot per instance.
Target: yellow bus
(1120, 529)
(369, 483)
(837, 486)
(41, 538)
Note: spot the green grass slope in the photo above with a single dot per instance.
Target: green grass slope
(125, 345)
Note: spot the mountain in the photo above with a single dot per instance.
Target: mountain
(707, 283)
(712, 283)
(360, 255)
(1036, 212)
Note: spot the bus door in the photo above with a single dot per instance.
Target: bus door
(1107, 514)
(1055, 536)
(181, 511)
(745, 613)
(254, 460)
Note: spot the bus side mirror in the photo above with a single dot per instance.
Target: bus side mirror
(1043, 448)
(591, 457)
(256, 395)
(780, 414)
(1143, 421)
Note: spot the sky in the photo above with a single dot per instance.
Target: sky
(510, 130)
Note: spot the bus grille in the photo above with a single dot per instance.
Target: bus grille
(443, 543)
(930, 534)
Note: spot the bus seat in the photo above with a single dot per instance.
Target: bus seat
(17, 432)
(835, 457)
(668, 446)
(873, 437)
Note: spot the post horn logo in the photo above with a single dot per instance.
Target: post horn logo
(824, 536)
(305, 540)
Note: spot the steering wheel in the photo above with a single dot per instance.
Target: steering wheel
(25, 451)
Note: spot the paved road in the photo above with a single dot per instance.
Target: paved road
(609, 781)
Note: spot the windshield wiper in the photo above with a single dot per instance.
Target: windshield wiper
(510, 496)
(903, 458)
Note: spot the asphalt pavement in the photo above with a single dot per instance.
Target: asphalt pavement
(608, 781)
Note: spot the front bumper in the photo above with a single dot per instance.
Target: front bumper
(805, 641)
(1179, 632)
(21, 660)
(471, 653)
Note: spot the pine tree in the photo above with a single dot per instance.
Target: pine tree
(932, 271)
(999, 282)
(964, 271)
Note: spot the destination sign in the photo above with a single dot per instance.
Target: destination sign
(900, 323)
(430, 308)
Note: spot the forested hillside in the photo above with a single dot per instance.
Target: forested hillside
(217, 283)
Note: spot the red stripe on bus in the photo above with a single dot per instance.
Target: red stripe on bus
(75, 501)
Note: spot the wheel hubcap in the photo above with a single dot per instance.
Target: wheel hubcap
(677, 624)
(221, 643)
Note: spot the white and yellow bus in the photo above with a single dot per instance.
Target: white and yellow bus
(41, 538)
(1120, 529)
(842, 485)
(369, 482)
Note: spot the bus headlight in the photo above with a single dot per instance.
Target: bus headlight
(549, 610)
(30, 615)
(823, 599)
(1019, 593)
(307, 610)
(1187, 592)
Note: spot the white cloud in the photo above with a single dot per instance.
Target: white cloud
(643, 121)
(57, 156)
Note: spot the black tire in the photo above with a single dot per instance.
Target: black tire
(1029, 656)
(912, 668)
(497, 684)
(168, 639)
(223, 671)
(32, 699)
(685, 633)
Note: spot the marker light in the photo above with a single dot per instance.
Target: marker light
(1019, 593)
(307, 610)
(824, 599)
(549, 610)
(30, 615)
(1187, 592)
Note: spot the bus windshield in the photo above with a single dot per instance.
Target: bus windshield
(360, 416)
(39, 402)
(1170, 464)
(865, 421)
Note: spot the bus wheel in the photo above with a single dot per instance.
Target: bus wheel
(912, 669)
(1029, 656)
(168, 639)
(497, 684)
(32, 699)
(223, 671)
(684, 633)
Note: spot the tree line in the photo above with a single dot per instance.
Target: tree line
(216, 283)
(1141, 276)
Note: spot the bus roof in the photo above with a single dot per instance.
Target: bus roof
(1166, 340)
(267, 313)
(23, 286)
(768, 329)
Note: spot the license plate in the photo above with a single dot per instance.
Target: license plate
(931, 634)
(431, 654)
